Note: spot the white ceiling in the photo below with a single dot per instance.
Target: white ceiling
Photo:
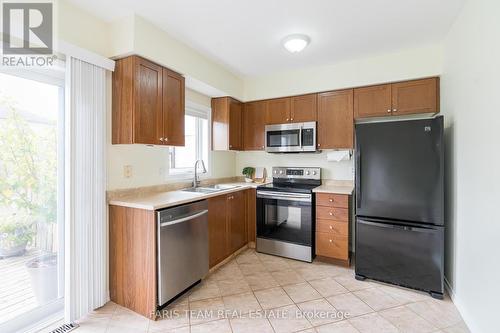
(245, 35)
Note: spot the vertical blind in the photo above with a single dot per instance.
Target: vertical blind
(86, 260)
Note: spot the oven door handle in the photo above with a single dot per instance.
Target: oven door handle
(284, 196)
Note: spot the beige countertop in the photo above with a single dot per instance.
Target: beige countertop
(336, 189)
(160, 200)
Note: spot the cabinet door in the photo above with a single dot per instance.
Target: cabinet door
(148, 102)
(374, 101)
(220, 123)
(173, 108)
(303, 108)
(251, 214)
(418, 96)
(335, 119)
(254, 122)
(278, 111)
(237, 220)
(217, 229)
(235, 117)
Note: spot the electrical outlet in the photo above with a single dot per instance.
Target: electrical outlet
(127, 171)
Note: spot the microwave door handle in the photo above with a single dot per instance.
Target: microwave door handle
(300, 137)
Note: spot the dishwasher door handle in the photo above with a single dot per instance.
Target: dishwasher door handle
(184, 219)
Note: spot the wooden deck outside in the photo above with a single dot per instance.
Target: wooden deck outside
(16, 295)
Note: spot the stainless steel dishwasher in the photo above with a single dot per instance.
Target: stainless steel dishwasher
(182, 248)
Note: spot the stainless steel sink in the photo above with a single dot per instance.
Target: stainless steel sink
(221, 187)
(210, 188)
(200, 190)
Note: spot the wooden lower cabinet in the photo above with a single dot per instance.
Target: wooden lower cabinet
(217, 229)
(132, 259)
(237, 221)
(332, 227)
(252, 215)
(227, 225)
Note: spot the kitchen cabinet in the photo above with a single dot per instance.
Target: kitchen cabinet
(173, 108)
(335, 120)
(278, 110)
(417, 96)
(332, 227)
(227, 225)
(374, 101)
(217, 229)
(401, 98)
(132, 259)
(237, 220)
(227, 115)
(254, 123)
(148, 103)
(251, 215)
(303, 108)
(296, 109)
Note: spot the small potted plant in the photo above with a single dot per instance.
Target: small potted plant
(15, 235)
(248, 173)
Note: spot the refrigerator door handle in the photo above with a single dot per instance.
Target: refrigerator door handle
(395, 226)
(358, 178)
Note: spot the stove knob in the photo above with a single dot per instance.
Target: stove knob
(275, 171)
(281, 172)
(314, 173)
(307, 173)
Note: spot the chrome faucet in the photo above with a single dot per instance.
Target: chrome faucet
(196, 180)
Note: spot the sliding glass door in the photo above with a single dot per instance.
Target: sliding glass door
(31, 198)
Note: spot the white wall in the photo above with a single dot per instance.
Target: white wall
(376, 68)
(330, 170)
(471, 104)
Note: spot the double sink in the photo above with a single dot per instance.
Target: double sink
(210, 188)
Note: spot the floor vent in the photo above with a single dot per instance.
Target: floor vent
(65, 328)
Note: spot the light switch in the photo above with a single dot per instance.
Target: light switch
(127, 171)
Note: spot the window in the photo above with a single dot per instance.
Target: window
(182, 159)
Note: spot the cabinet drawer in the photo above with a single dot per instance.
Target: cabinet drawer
(332, 200)
(333, 227)
(331, 246)
(332, 213)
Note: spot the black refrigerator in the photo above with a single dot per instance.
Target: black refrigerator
(400, 203)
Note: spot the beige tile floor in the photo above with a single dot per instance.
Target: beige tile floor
(259, 293)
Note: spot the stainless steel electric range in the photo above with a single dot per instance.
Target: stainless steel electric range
(285, 213)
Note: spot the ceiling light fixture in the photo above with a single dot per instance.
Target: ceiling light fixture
(296, 43)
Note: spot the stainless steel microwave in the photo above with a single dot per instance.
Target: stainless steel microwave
(291, 138)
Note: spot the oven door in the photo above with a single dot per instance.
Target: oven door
(284, 216)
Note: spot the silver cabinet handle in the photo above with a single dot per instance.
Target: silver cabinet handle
(161, 139)
(184, 219)
(166, 139)
(394, 110)
(389, 111)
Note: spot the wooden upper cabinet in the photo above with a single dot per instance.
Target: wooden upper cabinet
(374, 101)
(417, 96)
(148, 103)
(335, 120)
(278, 110)
(235, 119)
(226, 123)
(173, 108)
(237, 220)
(303, 108)
(254, 123)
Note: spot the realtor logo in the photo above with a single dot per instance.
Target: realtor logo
(27, 28)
